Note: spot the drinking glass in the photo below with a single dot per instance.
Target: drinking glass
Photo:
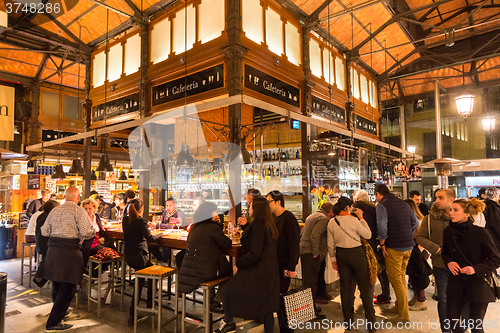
(178, 222)
(172, 222)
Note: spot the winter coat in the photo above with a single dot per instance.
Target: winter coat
(470, 245)
(204, 259)
(41, 241)
(492, 217)
(104, 210)
(136, 235)
(418, 269)
(438, 220)
(254, 290)
(288, 241)
(313, 235)
(34, 207)
(370, 216)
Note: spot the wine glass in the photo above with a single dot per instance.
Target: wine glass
(178, 222)
(172, 222)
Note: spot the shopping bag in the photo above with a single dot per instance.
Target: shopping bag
(297, 307)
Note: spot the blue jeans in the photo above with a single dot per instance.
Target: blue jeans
(441, 279)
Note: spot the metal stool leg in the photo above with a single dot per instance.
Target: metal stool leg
(183, 325)
(22, 264)
(206, 311)
(136, 301)
(160, 295)
(31, 266)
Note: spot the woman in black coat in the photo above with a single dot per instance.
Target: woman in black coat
(254, 290)
(136, 235)
(471, 256)
(204, 259)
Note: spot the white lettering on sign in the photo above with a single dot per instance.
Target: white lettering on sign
(181, 88)
(272, 88)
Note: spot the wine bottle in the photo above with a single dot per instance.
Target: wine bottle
(265, 156)
(300, 153)
(273, 156)
(287, 155)
(297, 154)
(283, 154)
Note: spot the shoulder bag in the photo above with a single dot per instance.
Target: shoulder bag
(494, 281)
(370, 255)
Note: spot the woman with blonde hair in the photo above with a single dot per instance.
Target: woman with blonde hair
(471, 256)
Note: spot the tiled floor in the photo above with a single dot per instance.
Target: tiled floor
(27, 311)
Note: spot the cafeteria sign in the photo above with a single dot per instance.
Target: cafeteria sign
(7, 113)
(366, 125)
(115, 108)
(206, 80)
(270, 86)
(328, 110)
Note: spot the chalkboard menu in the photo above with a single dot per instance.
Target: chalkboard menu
(366, 125)
(325, 167)
(328, 110)
(33, 182)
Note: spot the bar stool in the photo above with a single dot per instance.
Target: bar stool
(31, 272)
(157, 274)
(206, 322)
(112, 283)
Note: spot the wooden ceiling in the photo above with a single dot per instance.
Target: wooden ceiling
(401, 42)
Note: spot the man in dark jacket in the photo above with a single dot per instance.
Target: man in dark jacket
(395, 225)
(362, 202)
(288, 244)
(416, 197)
(313, 249)
(171, 211)
(104, 209)
(35, 205)
(492, 214)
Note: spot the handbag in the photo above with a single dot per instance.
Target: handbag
(297, 306)
(370, 255)
(494, 282)
(106, 253)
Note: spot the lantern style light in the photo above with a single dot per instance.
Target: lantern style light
(488, 123)
(465, 104)
(412, 149)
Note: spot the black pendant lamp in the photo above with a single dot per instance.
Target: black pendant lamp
(123, 176)
(247, 159)
(184, 159)
(331, 151)
(59, 172)
(76, 167)
(93, 176)
(140, 163)
(240, 155)
(104, 164)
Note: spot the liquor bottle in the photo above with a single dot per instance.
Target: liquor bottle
(297, 154)
(287, 155)
(31, 167)
(277, 171)
(292, 171)
(265, 156)
(283, 154)
(269, 171)
(273, 156)
(300, 153)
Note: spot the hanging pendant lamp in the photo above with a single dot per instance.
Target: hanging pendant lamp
(123, 176)
(93, 176)
(59, 172)
(76, 167)
(330, 151)
(184, 159)
(140, 163)
(240, 155)
(104, 164)
(465, 104)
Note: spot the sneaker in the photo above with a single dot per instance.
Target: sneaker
(225, 327)
(216, 307)
(68, 313)
(61, 327)
(419, 306)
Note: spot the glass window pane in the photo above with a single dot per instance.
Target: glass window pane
(51, 104)
(373, 94)
(180, 27)
(133, 54)
(160, 41)
(328, 69)
(212, 19)
(99, 69)
(315, 57)
(252, 20)
(364, 88)
(115, 58)
(70, 107)
(292, 43)
(274, 32)
(355, 83)
(339, 74)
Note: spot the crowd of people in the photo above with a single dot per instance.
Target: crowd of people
(461, 236)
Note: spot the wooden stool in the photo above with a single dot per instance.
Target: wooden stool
(157, 274)
(31, 272)
(207, 315)
(112, 283)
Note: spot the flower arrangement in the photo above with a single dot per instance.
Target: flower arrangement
(323, 194)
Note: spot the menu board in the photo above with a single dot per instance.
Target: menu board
(33, 182)
(104, 189)
(325, 167)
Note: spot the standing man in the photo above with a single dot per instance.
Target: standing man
(35, 205)
(430, 237)
(171, 211)
(288, 245)
(67, 226)
(313, 249)
(492, 214)
(252, 193)
(416, 197)
(395, 225)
